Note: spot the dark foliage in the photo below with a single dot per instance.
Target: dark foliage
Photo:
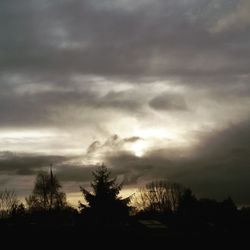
(104, 206)
(159, 197)
(105, 218)
(46, 194)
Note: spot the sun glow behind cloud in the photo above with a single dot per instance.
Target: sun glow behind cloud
(138, 148)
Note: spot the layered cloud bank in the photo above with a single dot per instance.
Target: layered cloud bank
(151, 88)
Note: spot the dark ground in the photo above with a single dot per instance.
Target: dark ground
(132, 236)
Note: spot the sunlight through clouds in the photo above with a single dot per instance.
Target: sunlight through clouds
(139, 85)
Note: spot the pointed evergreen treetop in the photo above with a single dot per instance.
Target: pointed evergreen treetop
(103, 203)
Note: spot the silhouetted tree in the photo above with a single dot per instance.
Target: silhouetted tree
(159, 197)
(104, 206)
(46, 194)
(8, 202)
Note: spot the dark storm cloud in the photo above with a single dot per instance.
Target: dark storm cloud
(186, 41)
(223, 163)
(160, 38)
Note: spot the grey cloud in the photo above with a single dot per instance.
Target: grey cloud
(217, 168)
(229, 148)
(114, 143)
(135, 42)
(75, 173)
(17, 171)
(132, 139)
(121, 100)
(30, 110)
(237, 19)
(202, 45)
(168, 102)
(43, 107)
(79, 36)
(93, 147)
(26, 164)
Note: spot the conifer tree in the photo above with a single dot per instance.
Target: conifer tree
(104, 206)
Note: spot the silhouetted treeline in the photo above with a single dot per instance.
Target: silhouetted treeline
(160, 211)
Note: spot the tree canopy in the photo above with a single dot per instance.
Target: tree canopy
(159, 197)
(8, 202)
(46, 194)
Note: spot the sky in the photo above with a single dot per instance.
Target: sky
(154, 89)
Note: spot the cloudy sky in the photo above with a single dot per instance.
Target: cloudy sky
(152, 88)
